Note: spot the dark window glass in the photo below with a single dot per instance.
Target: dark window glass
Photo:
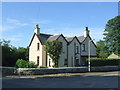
(38, 46)
(83, 47)
(37, 60)
(65, 62)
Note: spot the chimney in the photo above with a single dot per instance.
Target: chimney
(86, 32)
(37, 29)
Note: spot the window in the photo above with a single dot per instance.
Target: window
(37, 60)
(83, 47)
(38, 46)
(77, 49)
(61, 43)
(65, 62)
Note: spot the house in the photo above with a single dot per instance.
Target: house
(114, 56)
(74, 49)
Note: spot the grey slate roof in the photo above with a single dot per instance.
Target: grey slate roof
(54, 37)
(69, 39)
(43, 37)
(81, 38)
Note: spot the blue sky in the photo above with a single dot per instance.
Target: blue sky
(69, 18)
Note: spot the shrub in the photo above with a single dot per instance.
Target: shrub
(43, 67)
(102, 62)
(24, 64)
(32, 64)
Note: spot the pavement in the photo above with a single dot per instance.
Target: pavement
(66, 80)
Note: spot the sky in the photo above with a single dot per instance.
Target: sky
(67, 18)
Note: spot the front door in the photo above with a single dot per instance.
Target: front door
(76, 62)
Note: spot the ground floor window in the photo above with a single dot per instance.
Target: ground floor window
(37, 60)
(65, 62)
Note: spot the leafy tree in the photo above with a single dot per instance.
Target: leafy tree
(112, 35)
(53, 49)
(22, 53)
(101, 49)
(8, 53)
(11, 54)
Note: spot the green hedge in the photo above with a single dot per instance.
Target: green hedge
(102, 62)
(25, 64)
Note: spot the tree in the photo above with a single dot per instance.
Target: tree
(11, 54)
(53, 49)
(101, 49)
(22, 53)
(8, 53)
(112, 35)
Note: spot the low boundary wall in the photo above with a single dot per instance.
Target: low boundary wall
(39, 71)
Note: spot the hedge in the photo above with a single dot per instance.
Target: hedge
(102, 62)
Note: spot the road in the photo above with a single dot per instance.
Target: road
(84, 80)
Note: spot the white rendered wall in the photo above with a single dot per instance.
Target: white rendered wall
(33, 52)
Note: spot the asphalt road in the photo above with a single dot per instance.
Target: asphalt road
(72, 81)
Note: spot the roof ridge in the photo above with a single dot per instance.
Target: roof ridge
(70, 37)
(55, 35)
(46, 34)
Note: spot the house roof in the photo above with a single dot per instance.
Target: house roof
(54, 37)
(81, 38)
(69, 39)
(43, 37)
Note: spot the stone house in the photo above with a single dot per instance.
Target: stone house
(74, 49)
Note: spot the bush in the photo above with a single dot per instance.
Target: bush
(43, 67)
(32, 64)
(102, 62)
(25, 64)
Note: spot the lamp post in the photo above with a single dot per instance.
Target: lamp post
(89, 55)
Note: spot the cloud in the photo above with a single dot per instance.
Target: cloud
(16, 22)
(41, 22)
(11, 24)
(14, 38)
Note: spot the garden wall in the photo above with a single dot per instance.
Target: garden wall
(39, 71)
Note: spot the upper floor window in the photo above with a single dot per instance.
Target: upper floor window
(38, 46)
(83, 47)
(77, 49)
(61, 43)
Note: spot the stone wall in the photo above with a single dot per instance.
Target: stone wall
(39, 71)
(8, 71)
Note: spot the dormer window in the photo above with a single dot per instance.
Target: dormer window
(83, 47)
(38, 46)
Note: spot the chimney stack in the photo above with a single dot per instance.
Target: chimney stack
(86, 32)
(37, 29)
